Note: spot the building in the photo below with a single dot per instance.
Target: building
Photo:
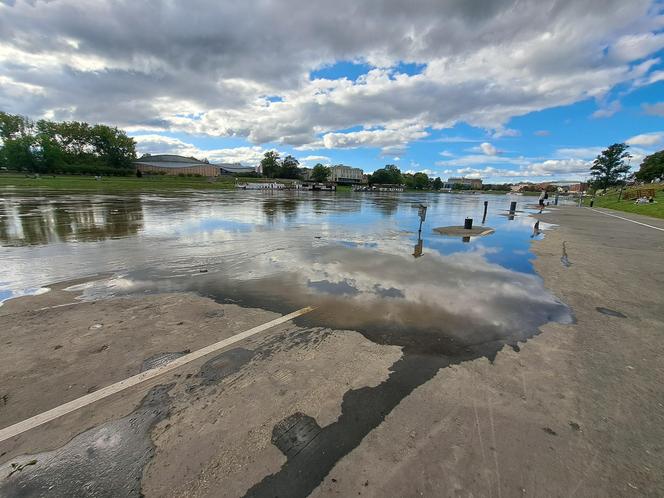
(346, 174)
(474, 183)
(171, 164)
(305, 174)
(578, 187)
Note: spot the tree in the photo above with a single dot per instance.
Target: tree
(290, 168)
(421, 181)
(438, 183)
(390, 174)
(609, 165)
(69, 146)
(17, 143)
(320, 173)
(652, 167)
(270, 164)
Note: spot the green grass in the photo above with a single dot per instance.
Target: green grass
(610, 201)
(132, 183)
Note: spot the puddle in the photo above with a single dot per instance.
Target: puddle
(107, 460)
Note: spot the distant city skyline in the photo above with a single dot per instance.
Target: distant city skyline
(490, 90)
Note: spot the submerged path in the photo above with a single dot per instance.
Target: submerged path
(574, 411)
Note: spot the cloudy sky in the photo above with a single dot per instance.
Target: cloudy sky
(503, 89)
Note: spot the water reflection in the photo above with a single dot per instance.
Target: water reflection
(33, 221)
(248, 236)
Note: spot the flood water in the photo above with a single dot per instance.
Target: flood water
(351, 253)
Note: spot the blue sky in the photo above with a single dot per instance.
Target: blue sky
(504, 90)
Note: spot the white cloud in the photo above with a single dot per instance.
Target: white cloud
(488, 149)
(429, 172)
(110, 62)
(506, 132)
(579, 152)
(569, 168)
(477, 159)
(637, 46)
(646, 139)
(654, 109)
(390, 141)
(315, 159)
(159, 144)
(607, 110)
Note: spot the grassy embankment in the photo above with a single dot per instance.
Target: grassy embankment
(125, 183)
(610, 201)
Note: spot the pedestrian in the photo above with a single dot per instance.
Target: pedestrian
(542, 197)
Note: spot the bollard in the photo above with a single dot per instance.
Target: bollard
(468, 224)
(592, 201)
(512, 206)
(486, 205)
(555, 200)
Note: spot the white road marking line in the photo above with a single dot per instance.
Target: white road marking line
(626, 219)
(61, 305)
(59, 411)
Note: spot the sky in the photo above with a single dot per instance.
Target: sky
(503, 90)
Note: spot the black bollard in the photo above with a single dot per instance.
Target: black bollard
(468, 224)
(512, 206)
(486, 205)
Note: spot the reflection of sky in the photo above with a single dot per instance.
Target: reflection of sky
(252, 234)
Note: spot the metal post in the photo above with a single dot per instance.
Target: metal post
(486, 205)
(512, 206)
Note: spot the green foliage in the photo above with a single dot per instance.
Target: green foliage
(390, 174)
(421, 181)
(270, 164)
(290, 168)
(64, 147)
(438, 183)
(248, 174)
(320, 173)
(652, 167)
(609, 165)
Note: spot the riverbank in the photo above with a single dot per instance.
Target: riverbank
(115, 183)
(610, 201)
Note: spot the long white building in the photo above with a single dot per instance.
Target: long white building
(345, 174)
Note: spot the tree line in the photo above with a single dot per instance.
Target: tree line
(64, 147)
(611, 167)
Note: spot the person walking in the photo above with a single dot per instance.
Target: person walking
(541, 198)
